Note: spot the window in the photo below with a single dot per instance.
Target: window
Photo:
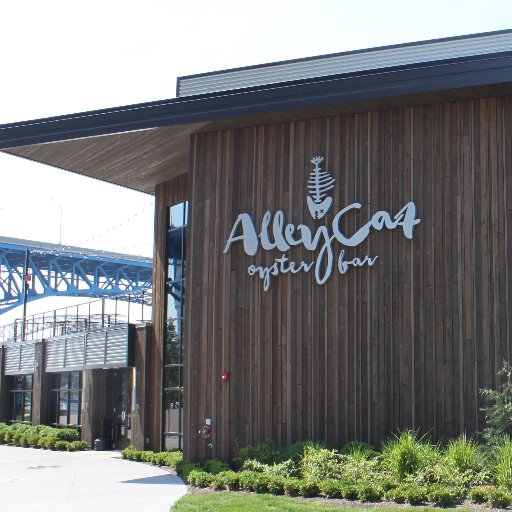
(173, 345)
(20, 398)
(65, 398)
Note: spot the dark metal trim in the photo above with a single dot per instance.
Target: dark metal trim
(392, 82)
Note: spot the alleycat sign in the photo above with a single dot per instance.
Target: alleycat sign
(276, 234)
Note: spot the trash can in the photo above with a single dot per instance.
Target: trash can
(99, 444)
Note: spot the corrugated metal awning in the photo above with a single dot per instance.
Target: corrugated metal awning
(20, 358)
(111, 347)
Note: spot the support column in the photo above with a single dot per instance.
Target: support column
(141, 389)
(94, 405)
(4, 392)
(40, 389)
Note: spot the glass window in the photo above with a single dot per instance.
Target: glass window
(175, 300)
(173, 376)
(173, 346)
(178, 215)
(173, 407)
(20, 398)
(65, 398)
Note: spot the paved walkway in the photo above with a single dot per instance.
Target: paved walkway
(44, 481)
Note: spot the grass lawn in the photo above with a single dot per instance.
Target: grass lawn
(235, 502)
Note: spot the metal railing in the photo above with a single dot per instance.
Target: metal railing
(78, 318)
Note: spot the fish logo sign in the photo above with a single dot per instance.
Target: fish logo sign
(319, 183)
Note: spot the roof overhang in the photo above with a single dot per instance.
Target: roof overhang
(143, 145)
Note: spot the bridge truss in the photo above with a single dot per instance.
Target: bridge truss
(34, 270)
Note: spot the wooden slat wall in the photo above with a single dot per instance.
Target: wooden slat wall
(405, 343)
(166, 194)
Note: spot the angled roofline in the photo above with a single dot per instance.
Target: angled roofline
(490, 69)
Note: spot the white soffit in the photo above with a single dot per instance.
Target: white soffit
(351, 62)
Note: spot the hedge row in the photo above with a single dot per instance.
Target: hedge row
(41, 436)
(170, 459)
(434, 494)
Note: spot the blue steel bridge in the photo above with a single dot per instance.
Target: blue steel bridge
(34, 270)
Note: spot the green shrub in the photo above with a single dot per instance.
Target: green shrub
(331, 488)
(405, 455)
(499, 498)
(41, 443)
(3, 430)
(498, 413)
(260, 483)
(61, 445)
(480, 493)
(285, 469)
(159, 458)
(127, 452)
(16, 438)
(253, 481)
(350, 490)
(292, 486)
(226, 480)
(184, 468)
(8, 435)
(254, 465)
(199, 478)
(503, 464)
(275, 484)
(369, 492)
(75, 446)
(407, 493)
(320, 464)
(170, 459)
(24, 441)
(33, 440)
(215, 466)
(45, 431)
(464, 455)
(149, 456)
(296, 451)
(67, 434)
(444, 496)
(355, 470)
(309, 489)
(246, 480)
(50, 443)
(358, 450)
(266, 453)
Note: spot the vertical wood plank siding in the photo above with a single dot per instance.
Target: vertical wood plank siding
(406, 343)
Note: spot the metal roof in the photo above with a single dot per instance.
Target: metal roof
(347, 62)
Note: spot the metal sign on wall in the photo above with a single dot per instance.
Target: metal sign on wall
(276, 234)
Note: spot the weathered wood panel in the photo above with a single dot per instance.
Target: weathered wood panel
(406, 343)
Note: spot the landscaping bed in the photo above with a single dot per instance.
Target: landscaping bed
(407, 470)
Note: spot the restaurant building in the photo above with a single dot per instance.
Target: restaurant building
(333, 241)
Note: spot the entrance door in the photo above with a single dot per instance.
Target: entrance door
(120, 392)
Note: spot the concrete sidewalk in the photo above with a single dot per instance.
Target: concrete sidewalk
(45, 481)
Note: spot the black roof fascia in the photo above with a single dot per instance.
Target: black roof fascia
(400, 81)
